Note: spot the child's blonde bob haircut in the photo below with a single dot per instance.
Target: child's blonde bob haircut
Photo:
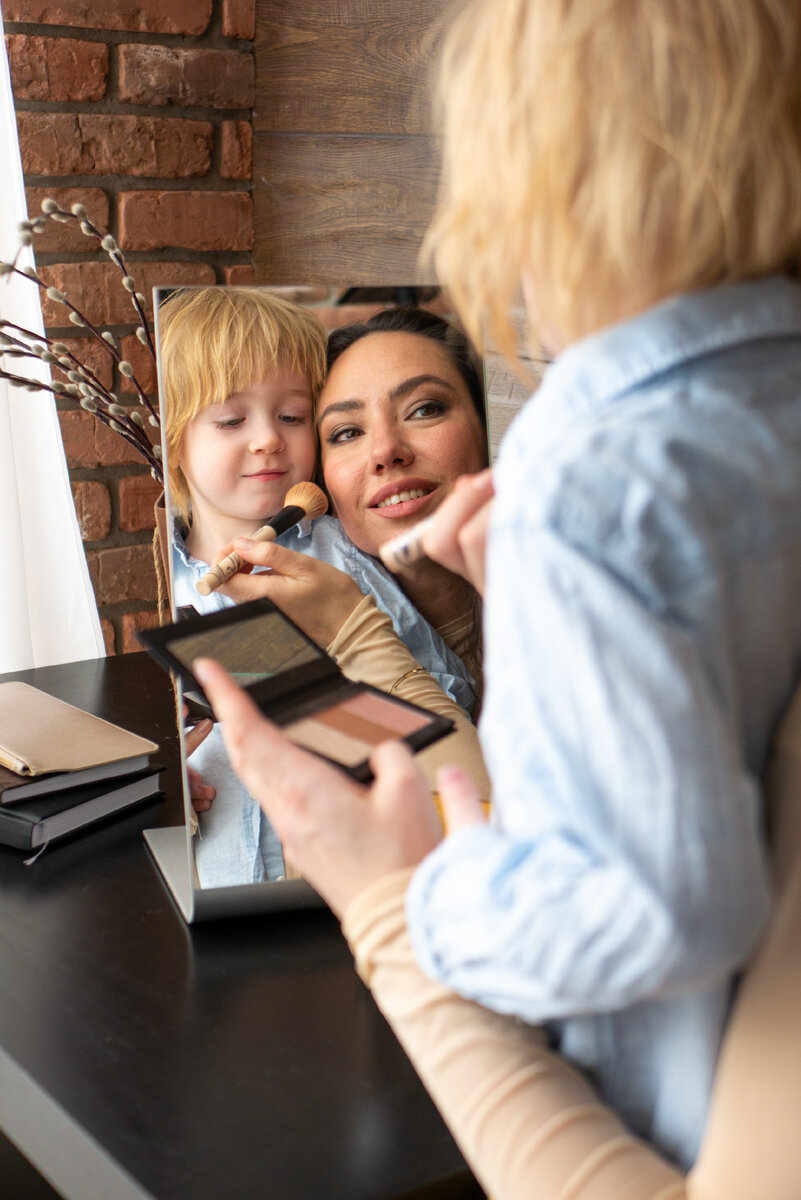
(216, 341)
(614, 152)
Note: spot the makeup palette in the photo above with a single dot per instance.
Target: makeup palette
(294, 683)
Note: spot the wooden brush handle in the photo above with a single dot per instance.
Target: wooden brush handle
(229, 565)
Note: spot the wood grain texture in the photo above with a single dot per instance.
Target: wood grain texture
(336, 208)
(345, 66)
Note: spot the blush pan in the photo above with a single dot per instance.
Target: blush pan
(348, 731)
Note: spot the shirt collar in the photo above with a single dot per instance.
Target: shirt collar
(594, 370)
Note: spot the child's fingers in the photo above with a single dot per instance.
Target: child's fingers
(461, 805)
(197, 734)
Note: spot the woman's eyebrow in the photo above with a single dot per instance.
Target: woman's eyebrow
(415, 381)
(339, 406)
(399, 392)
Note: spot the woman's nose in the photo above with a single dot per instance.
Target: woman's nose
(388, 448)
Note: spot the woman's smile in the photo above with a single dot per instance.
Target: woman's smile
(403, 498)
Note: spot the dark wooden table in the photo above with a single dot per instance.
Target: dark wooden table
(141, 1058)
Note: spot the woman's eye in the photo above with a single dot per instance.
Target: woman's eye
(428, 408)
(345, 433)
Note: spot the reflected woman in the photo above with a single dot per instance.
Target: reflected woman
(400, 417)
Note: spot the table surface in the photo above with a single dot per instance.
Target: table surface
(143, 1058)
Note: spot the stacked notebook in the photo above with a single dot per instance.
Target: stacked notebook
(62, 768)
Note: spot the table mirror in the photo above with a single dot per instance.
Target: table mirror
(223, 862)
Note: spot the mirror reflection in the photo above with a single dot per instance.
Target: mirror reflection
(259, 395)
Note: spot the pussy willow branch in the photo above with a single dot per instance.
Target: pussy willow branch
(88, 391)
(143, 446)
(46, 349)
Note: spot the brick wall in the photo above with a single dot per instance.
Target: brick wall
(141, 112)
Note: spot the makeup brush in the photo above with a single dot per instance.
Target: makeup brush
(407, 548)
(304, 501)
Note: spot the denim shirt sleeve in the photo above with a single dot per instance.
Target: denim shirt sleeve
(626, 861)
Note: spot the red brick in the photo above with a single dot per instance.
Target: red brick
(49, 68)
(154, 220)
(89, 352)
(144, 367)
(95, 288)
(122, 573)
(172, 75)
(93, 509)
(239, 18)
(90, 443)
(143, 16)
(66, 237)
(137, 494)
(107, 630)
(335, 316)
(96, 144)
(240, 275)
(133, 621)
(236, 150)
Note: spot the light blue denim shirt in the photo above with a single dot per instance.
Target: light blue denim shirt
(236, 843)
(642, 632)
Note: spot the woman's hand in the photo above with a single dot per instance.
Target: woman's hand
(201, 794)
(457, 534)
(341, 836)
(317, 596)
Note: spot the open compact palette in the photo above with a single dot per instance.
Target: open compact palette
(294, 683)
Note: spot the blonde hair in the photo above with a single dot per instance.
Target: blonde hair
(617, 151)
(216, 341)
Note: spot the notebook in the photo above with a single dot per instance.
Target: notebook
(47, 744)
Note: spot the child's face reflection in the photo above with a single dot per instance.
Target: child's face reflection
(240, 457)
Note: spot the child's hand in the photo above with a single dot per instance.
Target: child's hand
(201, 794)
(457, 535)
(317, 596)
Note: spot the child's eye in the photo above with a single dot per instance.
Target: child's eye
(229, 423)
(428, 408)
(292, 419)
(345, 433)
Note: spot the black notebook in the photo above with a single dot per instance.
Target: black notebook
(32, 823)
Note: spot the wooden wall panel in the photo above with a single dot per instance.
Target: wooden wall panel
(345, 67)
(345, 167)
(331, 208)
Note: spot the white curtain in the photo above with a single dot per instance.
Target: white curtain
(48, 612)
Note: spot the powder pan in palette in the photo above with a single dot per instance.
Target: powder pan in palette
(294, 683)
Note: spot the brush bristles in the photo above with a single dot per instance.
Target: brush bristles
(309, 497)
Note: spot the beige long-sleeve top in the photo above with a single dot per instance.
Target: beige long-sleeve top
(368, 649)
(532, 1128)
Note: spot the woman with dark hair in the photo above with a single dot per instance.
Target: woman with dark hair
(400, 417)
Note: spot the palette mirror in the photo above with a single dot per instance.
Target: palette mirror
(225, 860)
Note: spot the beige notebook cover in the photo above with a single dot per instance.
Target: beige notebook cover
(39, 733)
